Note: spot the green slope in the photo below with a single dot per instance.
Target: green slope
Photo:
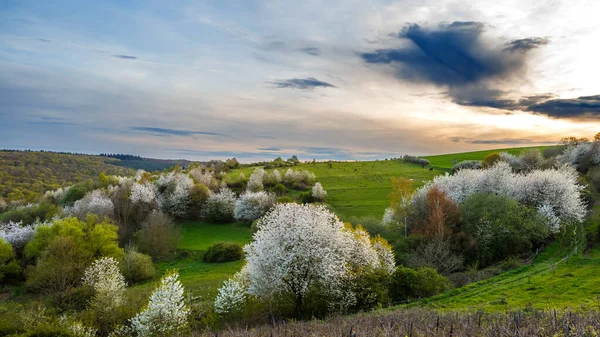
(446, 161)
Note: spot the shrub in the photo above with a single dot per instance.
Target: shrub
(224, 252)
(318, 193)
(8, 266)
(491, 159)
(252, 205)
(416, 160)
(220, 206)
(136, 267)
(30, 214)
(279, 189)
(255, 183)
(199, 193)
(306, 198)
(408, 284)
(73, 194)
(64, 249)
(159, 235)
(467, 164)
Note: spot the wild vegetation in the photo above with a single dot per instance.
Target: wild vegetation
(247, 245)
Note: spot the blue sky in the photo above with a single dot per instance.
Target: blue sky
(325, 80)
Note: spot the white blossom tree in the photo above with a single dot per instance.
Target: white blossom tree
(252, 205)
(220, 206)
(96, 202)
(17, 234)
(166, 313)
(557, 189)
(143, 193)
(255, 183)
(108, 283)
(302, 248)
(318, 192)
(231, 297)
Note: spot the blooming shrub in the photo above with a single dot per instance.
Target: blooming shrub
(318, 193)
(143, 193)
(220, 206)
(467, 164)
(95, 202)
(166, 313)
(108, 283)
(231, 297)
(255, 183)
(252, 205)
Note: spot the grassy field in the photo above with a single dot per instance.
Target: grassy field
(363, 188)
(199, 278)
(446, 161)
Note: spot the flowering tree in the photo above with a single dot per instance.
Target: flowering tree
(143, 193)
(205, 177)
(252, 205)
(166, 313)
(96, 202)
(108, 283)
(556, 189)
(220, 206)
(16, 234)
(305, 248)
(255, 183)
(175, 198)
(318, 192)
(231, 297)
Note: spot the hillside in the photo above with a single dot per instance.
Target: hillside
(28, 174)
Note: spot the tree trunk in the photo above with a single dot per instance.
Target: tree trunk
(298, 307)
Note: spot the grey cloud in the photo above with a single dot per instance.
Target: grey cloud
(526, 44)
(173, 132)
(458, 57)
(311, 51)
(42, 40)
(580, 107)
(301, 83)
(125, 57)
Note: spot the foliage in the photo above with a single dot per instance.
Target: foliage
(557, 188)
(491, 159)
(224, 252)
(30, 213)
(26, 175)
(199, 193)
(136, 267)
(220, 206)
(159, 235)
(416, 160)
(252, 205)
(411, 284)
(64, 249)
(501, 227)
(400, 199)
(8, 265)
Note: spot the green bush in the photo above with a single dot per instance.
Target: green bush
(307, 198)
(9, 268)
(137, 267)
(30, 214)
(279, 189)
(74, 193)
(224, 252)
(410, 284)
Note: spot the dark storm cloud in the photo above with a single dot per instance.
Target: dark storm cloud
(173, 132)
(526, 44)
(301, 83)
(125, 57)
(457, 56)
(580, 107)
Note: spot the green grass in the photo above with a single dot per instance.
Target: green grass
(550, 282)
(446, 161)
(363, 188)
(199, 278)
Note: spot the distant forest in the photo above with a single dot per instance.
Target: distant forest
(27, 174)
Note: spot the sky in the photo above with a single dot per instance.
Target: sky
(329, 79)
